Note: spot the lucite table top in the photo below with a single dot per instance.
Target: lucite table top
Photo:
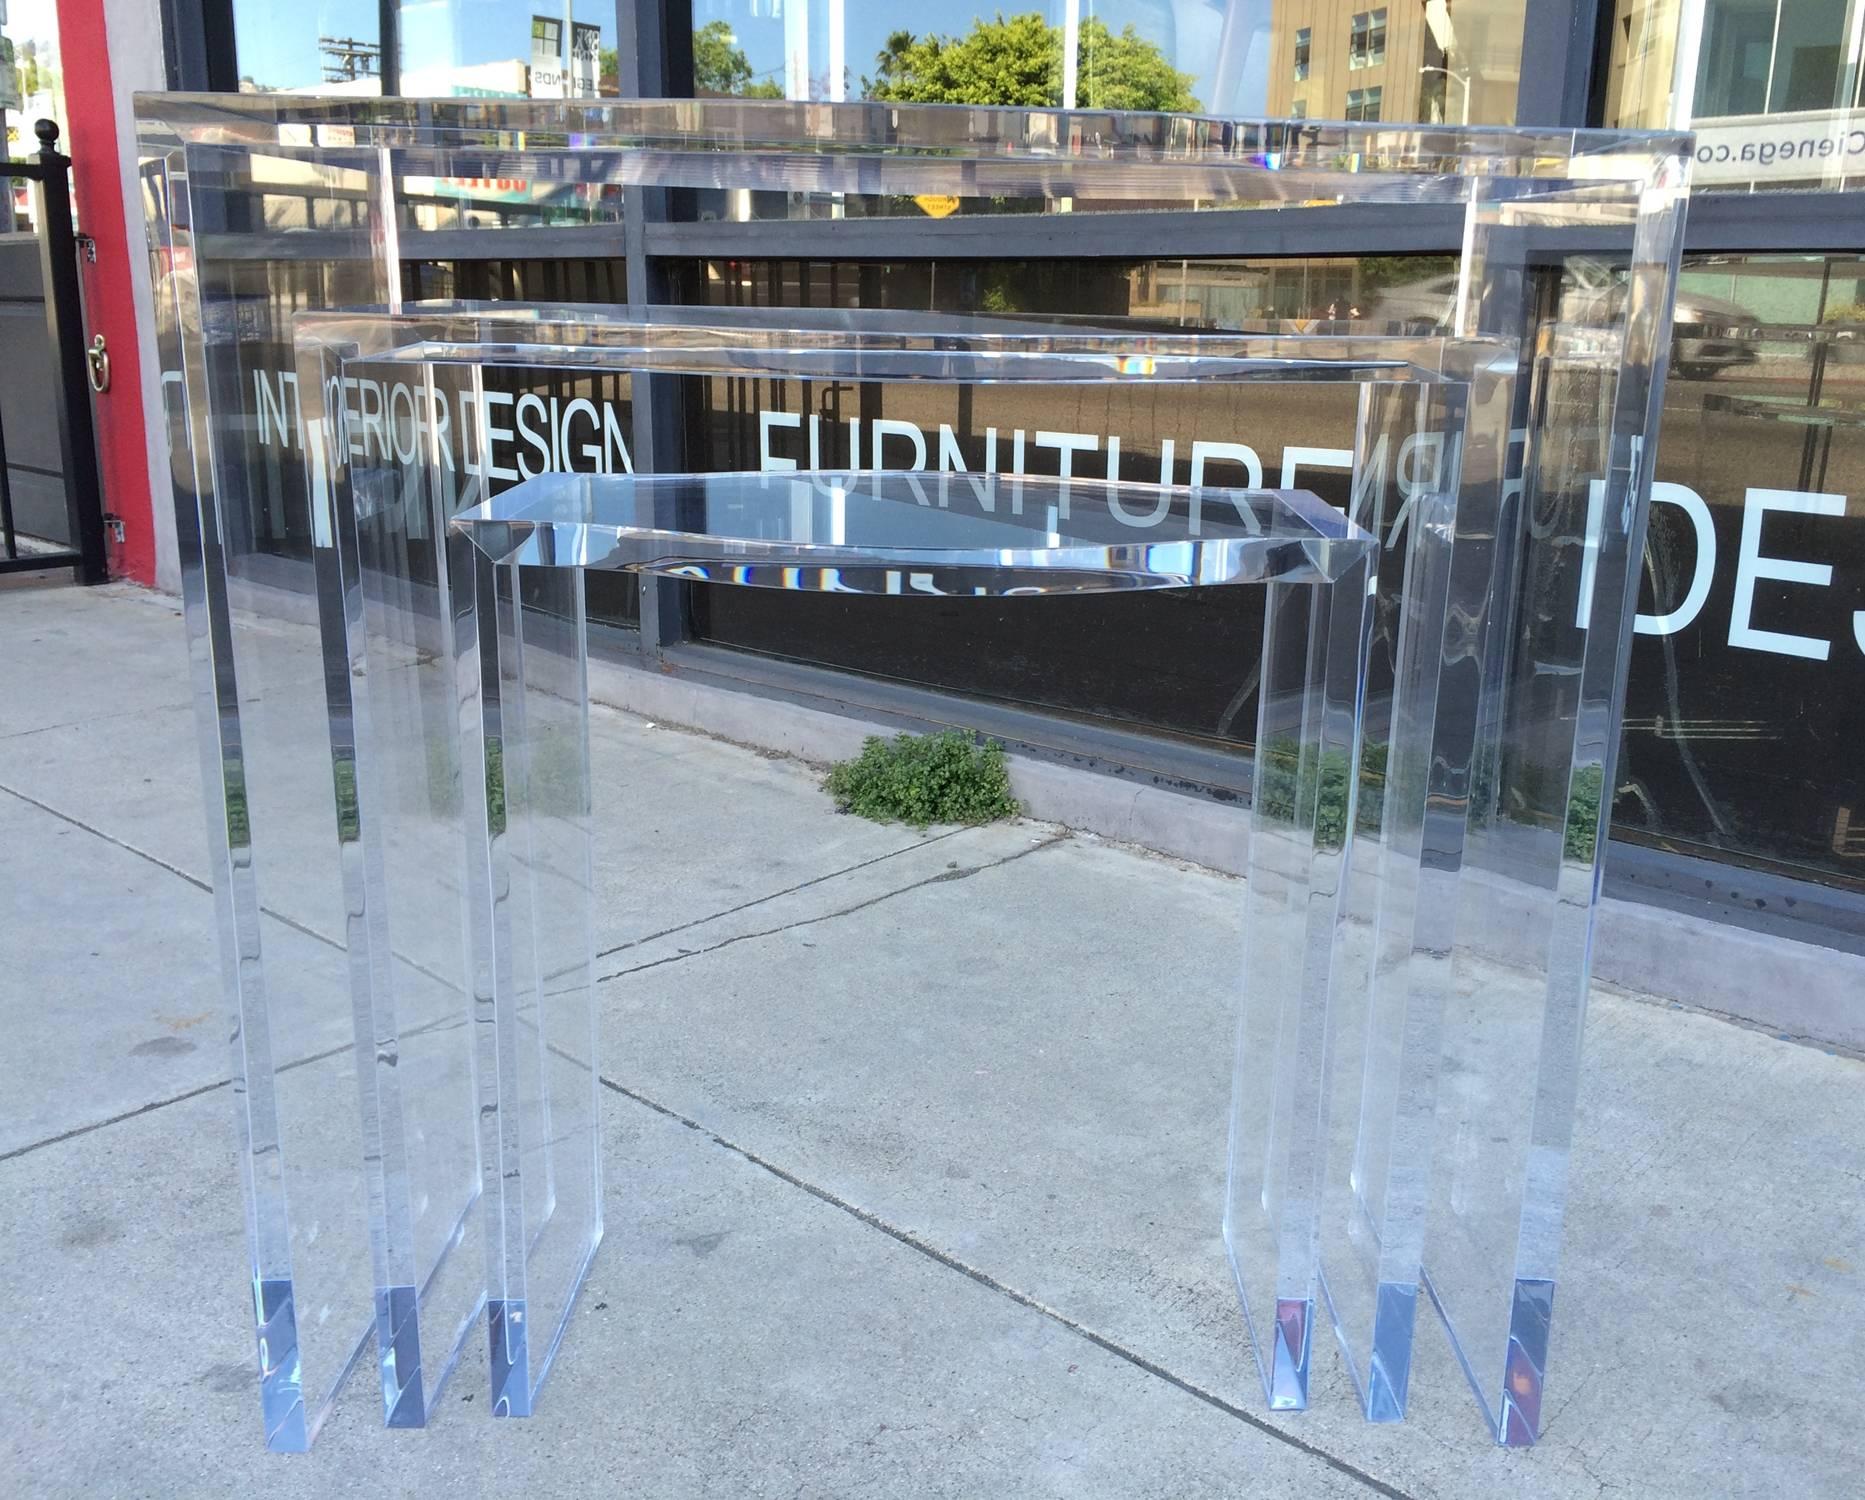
(899, 532)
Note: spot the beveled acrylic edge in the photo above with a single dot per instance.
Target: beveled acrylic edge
(1091, 138)
(654, 337)
(509, 528)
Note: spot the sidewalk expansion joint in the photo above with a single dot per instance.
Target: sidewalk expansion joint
(1023, 1299)
(301, 928)
(943, 877)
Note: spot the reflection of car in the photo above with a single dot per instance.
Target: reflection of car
(1709, 335)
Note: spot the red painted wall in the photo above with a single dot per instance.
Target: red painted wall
(110, 307)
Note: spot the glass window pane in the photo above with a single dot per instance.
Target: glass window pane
(1772, 89)
(491, 49)
(507, 49)
(1739, 713)
(1232, 57)
(32, 87)
(1752, 610)
(333, 47)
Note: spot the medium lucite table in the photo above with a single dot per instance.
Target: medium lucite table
(1423, 476)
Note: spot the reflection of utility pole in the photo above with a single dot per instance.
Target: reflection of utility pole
(1071, 47)
(838, 52)
(796, 49)
(348, 58)
(1463, 78)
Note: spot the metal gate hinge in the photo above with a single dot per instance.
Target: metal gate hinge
(113, 523)
(88, 246)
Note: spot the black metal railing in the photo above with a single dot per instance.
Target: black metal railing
(84, 551)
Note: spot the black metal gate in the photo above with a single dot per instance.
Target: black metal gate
(51, 497)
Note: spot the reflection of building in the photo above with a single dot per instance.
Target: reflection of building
(1452, 60)
(1237, 293)
(1769, 85)
(508, 78)
(1744, 58)
(550, 77)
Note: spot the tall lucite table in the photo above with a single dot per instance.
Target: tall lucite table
(1456, 1146)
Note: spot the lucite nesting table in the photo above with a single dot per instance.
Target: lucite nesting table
(1410, 1036)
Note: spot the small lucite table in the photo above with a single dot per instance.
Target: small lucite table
(518, 566)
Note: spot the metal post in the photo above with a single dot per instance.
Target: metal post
(1071, 47)
(64, 329)
(7, 535)
(654, 60)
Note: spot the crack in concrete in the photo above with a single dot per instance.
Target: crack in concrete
(829, 916)
(89, 719)
(791, 890)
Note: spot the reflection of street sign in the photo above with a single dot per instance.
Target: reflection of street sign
(937, 205)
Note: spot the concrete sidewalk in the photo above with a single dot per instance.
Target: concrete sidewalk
(883, 1219)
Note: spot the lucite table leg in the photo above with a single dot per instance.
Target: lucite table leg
(1511, 1033)
(1395, 976)
(524, 702)
(391, 706)
(1301, 818)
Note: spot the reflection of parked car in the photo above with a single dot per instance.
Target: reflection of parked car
(1709, 335)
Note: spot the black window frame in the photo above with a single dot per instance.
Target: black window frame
(1366, 40)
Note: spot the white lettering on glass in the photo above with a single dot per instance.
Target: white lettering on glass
(1751, 566)
(768, 461)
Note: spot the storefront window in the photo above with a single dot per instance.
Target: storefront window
(1740, 726)
(1772, 87)
(1233, 57)
(475, 49)
(1740, 720)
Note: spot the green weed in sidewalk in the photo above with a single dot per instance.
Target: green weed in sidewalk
(924, 778)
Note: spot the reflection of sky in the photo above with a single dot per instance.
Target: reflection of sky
(278, 43)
